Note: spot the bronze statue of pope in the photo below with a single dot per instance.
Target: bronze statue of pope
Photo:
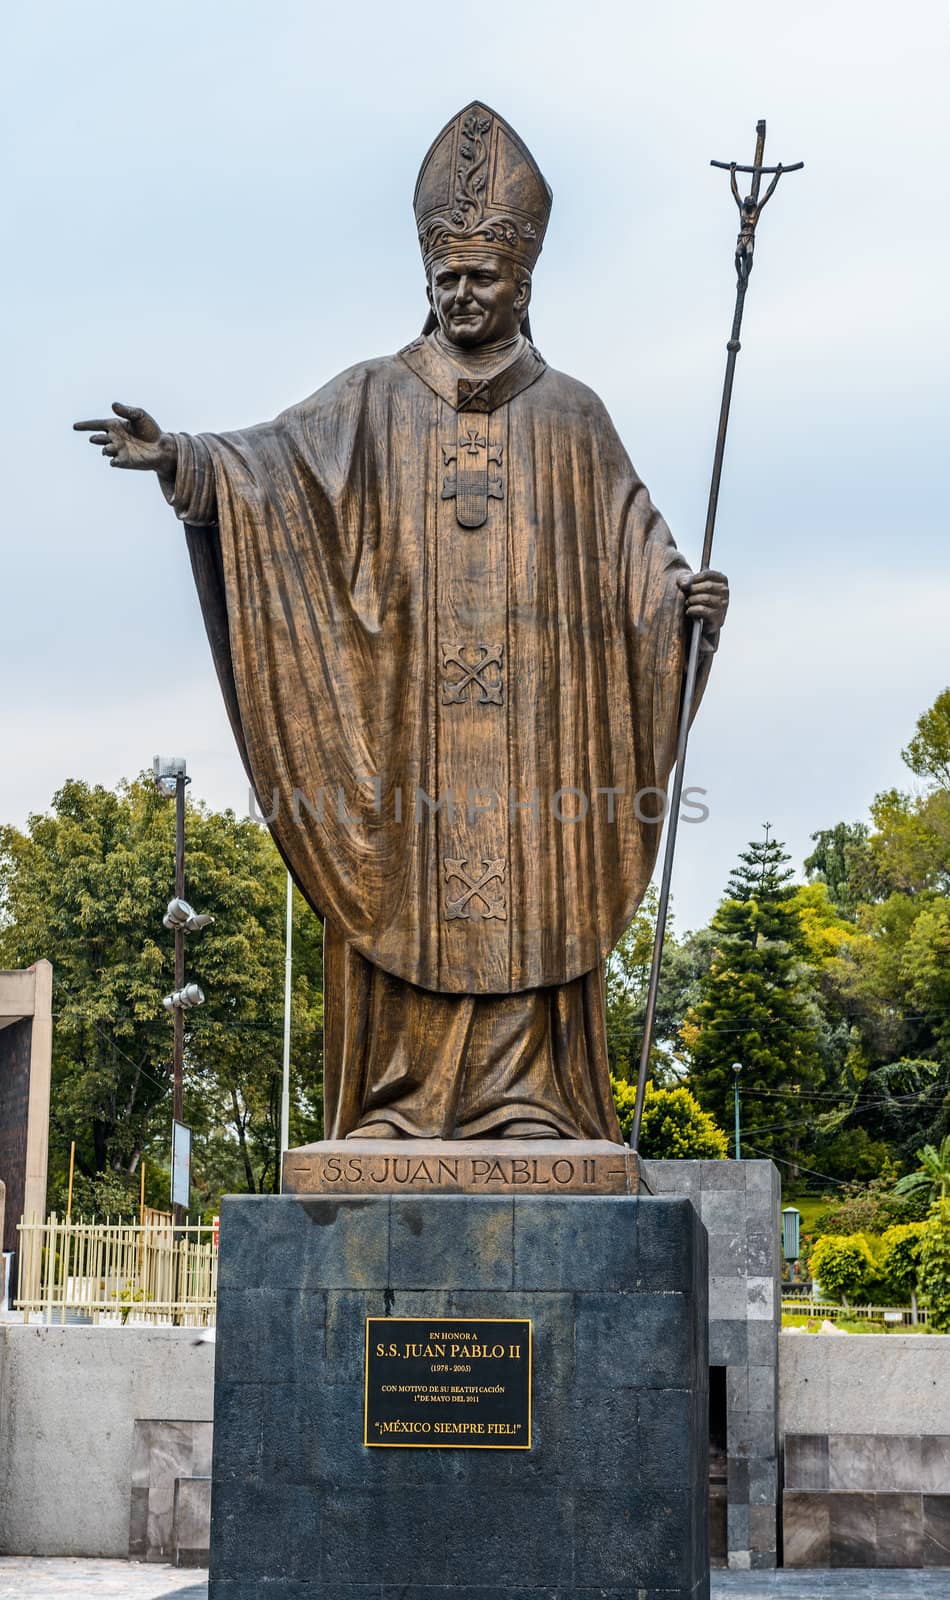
(449, 626)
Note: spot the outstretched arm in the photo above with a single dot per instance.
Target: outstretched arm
(134, 440)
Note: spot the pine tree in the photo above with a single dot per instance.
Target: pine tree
(762, 873)
(756, 1009)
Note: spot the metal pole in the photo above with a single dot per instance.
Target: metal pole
(288, 976)
(738, 1143)
(72, 1169)
(178, 1059)
(743, 268)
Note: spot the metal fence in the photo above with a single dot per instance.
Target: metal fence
(833, 1311)
(118, 1272)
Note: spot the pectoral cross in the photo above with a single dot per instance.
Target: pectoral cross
(470, 455)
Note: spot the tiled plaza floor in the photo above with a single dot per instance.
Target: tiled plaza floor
(35, 1578)
(31, 1578)
(838, 1585)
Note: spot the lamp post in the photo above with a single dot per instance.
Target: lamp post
(171, 778)
(791, 1237)
(737, 1068)
(288, 990)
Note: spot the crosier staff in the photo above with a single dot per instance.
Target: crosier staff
(750, 210)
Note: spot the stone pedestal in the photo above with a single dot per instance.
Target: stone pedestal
(610, 1501)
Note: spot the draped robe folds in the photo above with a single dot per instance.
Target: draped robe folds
(453, 725)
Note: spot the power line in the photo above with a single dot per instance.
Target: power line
(842, 1183)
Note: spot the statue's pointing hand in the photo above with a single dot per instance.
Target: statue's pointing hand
(707, 598)
(132, 439)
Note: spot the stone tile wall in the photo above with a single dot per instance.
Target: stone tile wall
(740, 1204)
(867, 1500)
(191, 1522)
(163, 1453)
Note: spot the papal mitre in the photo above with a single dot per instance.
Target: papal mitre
(480, 190)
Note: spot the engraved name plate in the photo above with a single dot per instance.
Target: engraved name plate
(448, 1382)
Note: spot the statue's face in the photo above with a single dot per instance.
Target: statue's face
(481, 301)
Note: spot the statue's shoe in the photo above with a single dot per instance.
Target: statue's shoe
(377, 1130)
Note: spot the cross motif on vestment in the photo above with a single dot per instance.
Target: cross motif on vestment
(475, 888)
(491, 690)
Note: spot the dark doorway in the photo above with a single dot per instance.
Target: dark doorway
(718, 1545)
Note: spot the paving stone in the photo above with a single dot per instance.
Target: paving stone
(41, 1578)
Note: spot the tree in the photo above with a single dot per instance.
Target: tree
(626, 978)
(933, 1174)
(756, 1007)
(933, 1278)
(899, 1262)
(674, 1125)
(762, 873)
(842, 860)
(87, 885)
(626, 975)
(928, 753)
(843, 1264)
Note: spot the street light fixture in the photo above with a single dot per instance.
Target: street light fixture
(737, 1068)
(166, 771)
(184, 1000)
(181, 915)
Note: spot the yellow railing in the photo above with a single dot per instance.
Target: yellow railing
(119, 1272)
(834, 1311)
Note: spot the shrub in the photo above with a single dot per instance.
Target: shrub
(898, 1260)
(873, 1209)
(933, 1279)
(108, 1195)
(674, 1125)
(844, 1265)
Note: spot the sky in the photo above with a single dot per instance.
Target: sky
(207, 211)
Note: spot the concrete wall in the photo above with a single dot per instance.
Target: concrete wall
(864, 1383)
(68, 1401)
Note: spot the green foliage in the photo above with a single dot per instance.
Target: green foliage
(756, 1006)
(898, 1260)
(87, 885)
(842, 862)
(673, 1127)
(112, 1194)
(626, 975)
(932, 1177)
(844, 1266)
(933, 1280)
(762, 873)
(853, 1155)
(869, 1210)
(928, 754)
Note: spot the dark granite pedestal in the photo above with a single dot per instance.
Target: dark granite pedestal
(610, 1501)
